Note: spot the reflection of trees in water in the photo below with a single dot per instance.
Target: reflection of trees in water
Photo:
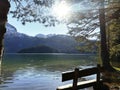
(4, 74)
(14, 65)
(0, 69)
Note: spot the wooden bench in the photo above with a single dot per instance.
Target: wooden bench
(74, 75)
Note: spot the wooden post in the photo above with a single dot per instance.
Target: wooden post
(75, 80)
(98, 74)
(97, 86)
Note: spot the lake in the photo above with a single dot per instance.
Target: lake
(39, 71)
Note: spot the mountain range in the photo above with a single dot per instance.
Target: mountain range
(16, 42)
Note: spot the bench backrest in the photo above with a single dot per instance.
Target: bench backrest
(81, 73)
(74, 75)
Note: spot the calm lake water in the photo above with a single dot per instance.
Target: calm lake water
(39, 71)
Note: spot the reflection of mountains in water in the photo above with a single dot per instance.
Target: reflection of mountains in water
(50, 61)
(28, 70)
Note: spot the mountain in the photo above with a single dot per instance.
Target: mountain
(44, 36)
(15, 41)
(62, 43)
(10, 28)
(41, 36)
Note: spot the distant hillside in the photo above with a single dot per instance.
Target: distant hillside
(38, 49)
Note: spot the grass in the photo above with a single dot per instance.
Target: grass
(118, 69)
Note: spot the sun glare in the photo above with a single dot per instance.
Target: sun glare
(61, 10)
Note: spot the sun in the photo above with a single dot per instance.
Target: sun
(61, 10)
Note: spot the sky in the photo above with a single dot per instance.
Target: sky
(32, 29)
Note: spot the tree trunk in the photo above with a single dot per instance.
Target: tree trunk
(2, 32)
(104, 47)
(4, 8)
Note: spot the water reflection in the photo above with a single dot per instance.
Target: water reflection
(39, 71)
(0, 64)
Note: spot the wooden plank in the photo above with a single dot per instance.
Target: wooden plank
(65, 87)
(86, 72)
(88, 83)
(69, 75)
(98, 73)
(80, 85)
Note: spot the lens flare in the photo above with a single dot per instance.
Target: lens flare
(61, 10)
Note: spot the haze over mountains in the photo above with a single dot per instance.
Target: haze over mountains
(17, 42)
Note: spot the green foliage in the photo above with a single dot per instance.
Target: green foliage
(115, 53)
(39, 49)
(114, 32)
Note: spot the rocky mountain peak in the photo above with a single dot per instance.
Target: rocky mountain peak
(10, 28)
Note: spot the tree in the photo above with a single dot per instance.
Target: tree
(105, 47)
(3, 19)
(114, 32)
(85, 26)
